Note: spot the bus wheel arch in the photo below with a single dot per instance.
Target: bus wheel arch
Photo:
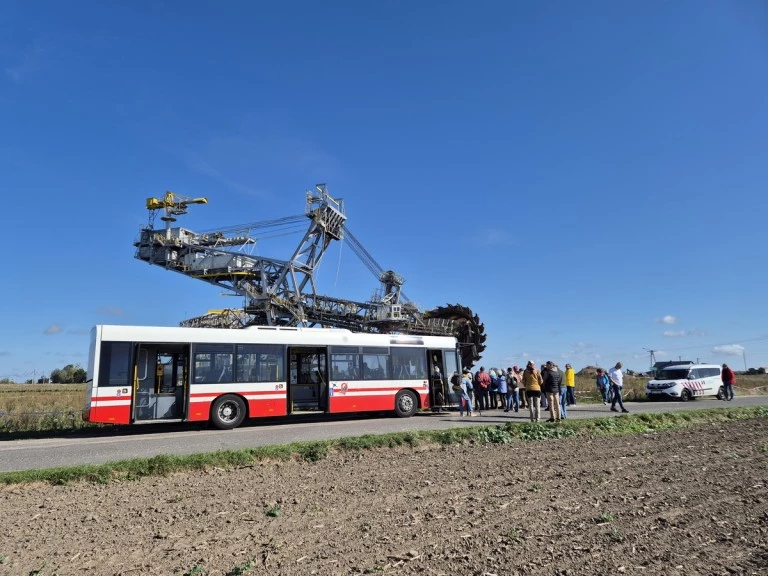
(228, 411)
(406, 403)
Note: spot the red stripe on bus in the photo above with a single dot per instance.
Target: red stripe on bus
(240, 392)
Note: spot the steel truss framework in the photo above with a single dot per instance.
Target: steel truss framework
(283, 292)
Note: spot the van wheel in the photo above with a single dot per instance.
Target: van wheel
(721, 393)
(685, 395)
(228, 412)
(405, 404)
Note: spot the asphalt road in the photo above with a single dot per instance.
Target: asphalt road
(112, 444)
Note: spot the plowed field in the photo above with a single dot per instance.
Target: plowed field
(684, 502)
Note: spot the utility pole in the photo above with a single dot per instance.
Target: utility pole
(744, 355)
(652, 357)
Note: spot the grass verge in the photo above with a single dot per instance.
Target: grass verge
(164, 465)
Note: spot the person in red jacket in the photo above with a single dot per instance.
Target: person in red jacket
(483, 382)
(729, 379)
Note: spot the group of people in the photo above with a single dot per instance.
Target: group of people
(538, 389)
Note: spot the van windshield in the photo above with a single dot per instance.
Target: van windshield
(672, 374)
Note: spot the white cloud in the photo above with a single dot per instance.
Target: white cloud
(53, 329)
(674, 333)
(679, 333)
(729, 350)
(111, 311)
(668, 319)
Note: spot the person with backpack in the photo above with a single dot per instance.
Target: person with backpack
(729, 379)
(513, 384)
(465, 401)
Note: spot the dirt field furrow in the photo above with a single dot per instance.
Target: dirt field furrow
(690, 502)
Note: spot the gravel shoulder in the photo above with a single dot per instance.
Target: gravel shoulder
(684, 502)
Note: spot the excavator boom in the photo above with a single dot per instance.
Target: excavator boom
(283, 292)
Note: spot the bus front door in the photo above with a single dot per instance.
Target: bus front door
(161, 382)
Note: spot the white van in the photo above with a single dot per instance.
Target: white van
(686, 381)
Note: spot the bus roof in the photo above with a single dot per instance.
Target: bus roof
(297, 336)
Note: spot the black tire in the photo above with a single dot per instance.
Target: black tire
(685, 395)
(228, 412)
(406, 404)
(721, 393)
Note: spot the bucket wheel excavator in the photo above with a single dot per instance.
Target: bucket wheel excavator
(283, 292)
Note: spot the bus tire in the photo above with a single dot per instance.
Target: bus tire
(406, 404)
(685, 395)
(228, 412)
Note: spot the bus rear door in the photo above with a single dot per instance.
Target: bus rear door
(161, 382)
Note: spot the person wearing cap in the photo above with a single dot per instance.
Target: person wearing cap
(617, 382)
(532, 383)
(553, 383)
(570, 385)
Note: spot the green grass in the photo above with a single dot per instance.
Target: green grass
(36, 410)
(310, 452)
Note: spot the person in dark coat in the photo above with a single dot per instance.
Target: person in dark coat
(553, 381)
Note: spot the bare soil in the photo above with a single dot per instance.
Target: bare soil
(684, 503)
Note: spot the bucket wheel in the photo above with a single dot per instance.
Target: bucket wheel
(467, 328)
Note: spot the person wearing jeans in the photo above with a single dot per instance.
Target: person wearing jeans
(603, 385)
(513, 383)
(465, 402)
(570, 385)
(729, 379)
(563, 401)
(617, 382)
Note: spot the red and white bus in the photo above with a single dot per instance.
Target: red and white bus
(147, 374)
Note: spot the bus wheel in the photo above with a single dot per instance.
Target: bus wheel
(405, 404)
(721, 393)
(228, 412)
(685, 395)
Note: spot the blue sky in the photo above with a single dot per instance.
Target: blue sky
(590, 178)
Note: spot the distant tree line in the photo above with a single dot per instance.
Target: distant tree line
(70, 374)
